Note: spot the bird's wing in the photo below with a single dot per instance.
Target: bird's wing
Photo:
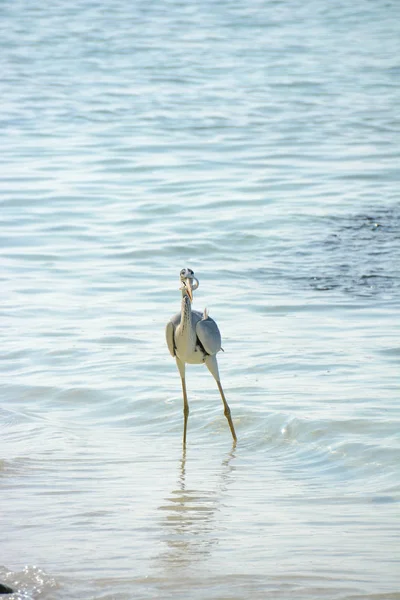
(170, 332)
(208, 333)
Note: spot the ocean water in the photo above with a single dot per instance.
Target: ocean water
(257, 143)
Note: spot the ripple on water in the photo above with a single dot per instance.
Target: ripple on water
(256, 143)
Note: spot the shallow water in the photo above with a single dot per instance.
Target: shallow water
(258, 144)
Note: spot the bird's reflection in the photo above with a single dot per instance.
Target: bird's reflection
(189, 515)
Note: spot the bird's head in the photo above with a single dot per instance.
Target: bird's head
(187, 277)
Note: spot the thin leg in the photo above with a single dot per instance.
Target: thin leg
(181, 368)
(185, 410)
(212, 366)
(227, 411)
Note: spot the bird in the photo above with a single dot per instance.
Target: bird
(194, 338)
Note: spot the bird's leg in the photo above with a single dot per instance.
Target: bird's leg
(212, 365)
(227, 411)
(185, 410)
(181, 367)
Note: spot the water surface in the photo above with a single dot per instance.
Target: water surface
(258, 144)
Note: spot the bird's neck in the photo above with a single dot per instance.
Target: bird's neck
(186, 314)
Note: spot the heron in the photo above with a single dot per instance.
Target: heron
(194, 338)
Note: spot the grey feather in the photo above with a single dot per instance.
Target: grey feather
(170, 337)
(208, 333)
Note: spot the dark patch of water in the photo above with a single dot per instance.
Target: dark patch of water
(359, 256)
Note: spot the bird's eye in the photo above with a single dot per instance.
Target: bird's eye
(191, 272)
(183, 272)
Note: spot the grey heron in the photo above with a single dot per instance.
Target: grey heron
(194, 338)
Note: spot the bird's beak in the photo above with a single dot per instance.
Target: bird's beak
(188, 283)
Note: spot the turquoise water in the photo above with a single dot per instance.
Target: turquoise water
(258, 144)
